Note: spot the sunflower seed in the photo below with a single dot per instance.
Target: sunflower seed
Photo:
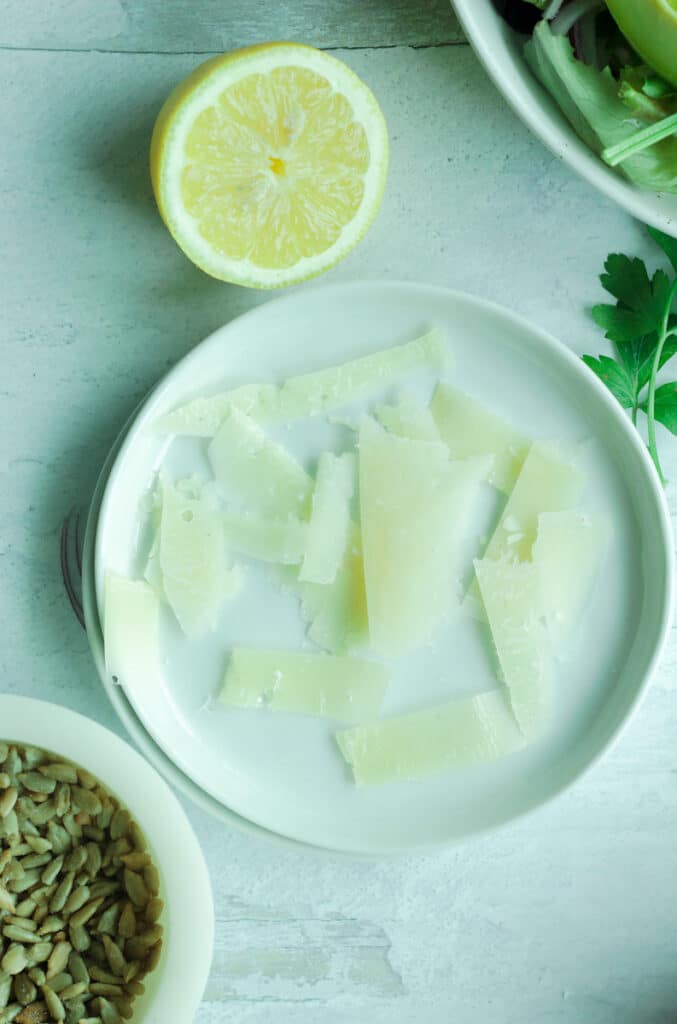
(108, 1013)
(76, 859)
(104, 889)
(135, 888)
(135, 988)
(85, 800)
(98, 988)
(36, 860)
(58, 837)
(7, 801)
(124, 1008)
(60, 982)
(5, 989)
(25, 882)
(107, 923)
(58, 959)
(87, 780)
(62, 799)
(62, 772)
(114, 956)
(37, 976)
(24, 989)
(76, 900)
(82, 916)
(36, 782)
(58, 900)
(93, 862)
(154, 910)
(39, 953)
(97, 835)
(16, 934)
(72, 991)
(151, 877)
(44, 813)
(79, 937)
(154, 957)
(132, 972)
(14, 961)
(53, 1003)
(127, 922)
(6, 900)
(4, 751)
(100, 974)
(78, 969)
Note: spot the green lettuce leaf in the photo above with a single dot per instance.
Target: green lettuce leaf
(590, 101)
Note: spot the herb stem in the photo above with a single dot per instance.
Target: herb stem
(663, 335)
(640, 140)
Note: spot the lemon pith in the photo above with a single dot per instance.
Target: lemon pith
(269, 164)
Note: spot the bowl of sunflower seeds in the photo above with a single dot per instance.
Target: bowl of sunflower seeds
(98, 921)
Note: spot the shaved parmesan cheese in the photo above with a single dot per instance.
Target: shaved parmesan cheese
(263, 475)
(131, 627)
(415, 506)
(408, 419)
(468, 428)
(309, 394)
(547, 483)
(567, 556)
(153, 572)
(281, 541)
(349, 689)
(512, 602)
(196, 578)
(330, 518)
(336, 612)
(415, 746)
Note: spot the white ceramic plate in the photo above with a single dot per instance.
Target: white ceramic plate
(174, 989)
(500, 50)
(283, 772)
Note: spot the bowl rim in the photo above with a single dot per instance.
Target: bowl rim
(178, 982)
(561, 139)
(631, 436)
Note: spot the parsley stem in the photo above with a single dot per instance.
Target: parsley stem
(663, 335)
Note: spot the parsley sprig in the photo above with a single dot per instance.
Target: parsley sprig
(643, 331)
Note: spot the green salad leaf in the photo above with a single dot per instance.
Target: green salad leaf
(590, 101)
(643, 331)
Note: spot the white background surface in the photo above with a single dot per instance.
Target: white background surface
(567, 917)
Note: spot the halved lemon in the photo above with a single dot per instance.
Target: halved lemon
(269, 164)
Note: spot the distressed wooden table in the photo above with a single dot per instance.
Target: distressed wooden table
(569, 916)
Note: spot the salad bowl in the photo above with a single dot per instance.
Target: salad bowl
(501, 50)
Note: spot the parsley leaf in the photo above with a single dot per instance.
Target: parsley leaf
(665, 406)
(667, 244)
(643, 331)
(641, 301)
(619, 383)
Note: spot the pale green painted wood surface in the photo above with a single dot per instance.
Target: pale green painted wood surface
(567, 918)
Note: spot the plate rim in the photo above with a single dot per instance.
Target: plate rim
(551, 343)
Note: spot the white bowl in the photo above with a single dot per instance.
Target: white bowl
(500, 51)
(174, 989)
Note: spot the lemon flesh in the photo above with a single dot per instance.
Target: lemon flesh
(269, 164)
